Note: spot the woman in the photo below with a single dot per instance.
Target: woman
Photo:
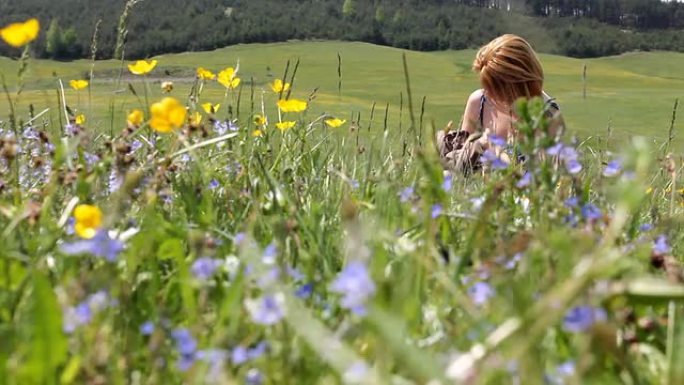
(508, 69)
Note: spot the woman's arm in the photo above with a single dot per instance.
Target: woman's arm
(471, 116)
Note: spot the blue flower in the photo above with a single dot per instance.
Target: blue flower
(355, 373)
(238, 238)
(304, 291)
(101, 245)
(406, 194)
(448, 183)
(436, 211)
(646, 227)
(573, 166)
(491, 158)
(497, 140)
(84, 312)
(185, 342)
(213, 184)
(591, 212)
(254, 377)
(660, 245)
(239, 355)
(270, 254)
(356, 286)
(204, 268)
(480, 293)
(354, 184)
(220, 127)
(581, 318)
(571, 202)
(215, 359)
(555, 149)
(257, 351)
(613, 168)
(525, 180)
(147, 328)
(267, 309)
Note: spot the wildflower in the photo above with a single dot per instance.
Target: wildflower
(497, 140)
(254, 377)
(260, 120)
(210, 108)
(334, 123)
(166, 87)
(646, 227)
(524, 181)
(278, 86)
(257, 133)
(436, 211)
(257, 351)
(573, 166)
(205, 74)
(100, 245)
(581, 318)
(480, 293)
(186, 346)
(555, 149)
(354, 184)
(204, 268)
(270, 254)
(147, 328)
(88, 220)
(266, 310)
(406, 194)
(448, 183)
(283, 126)
(613, 168)
(167, 115)
(78, 84)
(571, 202)
(239, 355)
(496, 162)
(213, 184)
(142, 67)
(660, 245)
(228, 78)
(293, 105)
(304, 291)
(591, 212)
(356, 286)
(196, 118)
(356, 373)
(221, 127)
(20, 34)
(80, 119)
(135, 118)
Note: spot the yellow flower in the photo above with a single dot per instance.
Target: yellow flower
(167, 87)
(78, 84)
(228, 79)
(292, 105)
(334, 123)
(205, 74)
(142, 67)
(282, 126)
(167, 115)
(260, 120)
(80, 119)
(278, 86)
(257, 133)
(210, 108)
(20, 34)
(196, 118)
(88, 220)
(135, 118)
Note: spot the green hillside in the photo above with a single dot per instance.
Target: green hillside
(633, 93)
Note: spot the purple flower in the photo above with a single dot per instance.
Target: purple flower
(185, 342)
(239, 355)
(581, 318)
(566, 369)
(84, 312)
(448, 183)
(294, 273)
(267, 309)
(525, 180)
(406, 194)
(101, 245)
(646, 227)
(254, 377)
(613, 168)
(220, 127)
(573, 166)
(480, 293)
(555, 149)
(355, 284)
(571, 202)
(115, 181)
(497, 140)
(436, 211)
(354, 184)
(147, 328)
(257, 351)
(591, 212)
(215, 359)
(355, 373)
(204, 268)
(496, 162)
(270, 254)
(213, 184)
(304, 291)
(660, 245)
(135, 146)
(238, 238)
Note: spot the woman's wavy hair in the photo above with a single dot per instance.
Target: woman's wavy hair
(509, 69)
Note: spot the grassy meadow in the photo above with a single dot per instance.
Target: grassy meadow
(162, 249)
(633, 94)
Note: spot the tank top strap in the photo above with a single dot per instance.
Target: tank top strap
(482, 103)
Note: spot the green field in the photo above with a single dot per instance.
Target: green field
(632, 93)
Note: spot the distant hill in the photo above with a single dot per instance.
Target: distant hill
(580, 28)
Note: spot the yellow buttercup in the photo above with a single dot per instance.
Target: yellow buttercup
(135, 118)
(292, 105)
(228, 77)
(283, 126)
(142, 67)
(88, 220)
(78, 84)
(167, 115)
(20, 34)
(334, 123)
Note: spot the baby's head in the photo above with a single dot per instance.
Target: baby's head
(509, 69)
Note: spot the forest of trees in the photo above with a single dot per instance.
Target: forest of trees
(581, 28)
